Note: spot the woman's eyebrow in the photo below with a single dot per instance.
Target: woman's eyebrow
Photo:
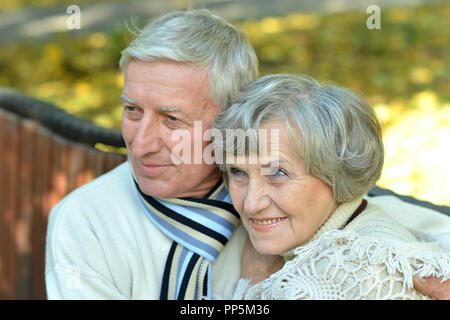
(272, 163)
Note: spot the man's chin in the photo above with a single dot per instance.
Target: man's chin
(156, 188)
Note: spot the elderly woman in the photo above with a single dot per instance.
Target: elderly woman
(297, 178)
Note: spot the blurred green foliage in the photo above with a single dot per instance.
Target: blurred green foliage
(78, 74)
(408, 55)
(9, 5)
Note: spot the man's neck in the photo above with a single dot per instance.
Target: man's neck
(203, 189)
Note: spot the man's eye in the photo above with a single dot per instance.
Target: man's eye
(172, 118)
(132, 113)
(130, 108)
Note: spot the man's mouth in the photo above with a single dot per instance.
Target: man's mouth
(153, 169)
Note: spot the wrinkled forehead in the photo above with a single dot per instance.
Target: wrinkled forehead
(269, 143)
(244, 142)
(258, 160)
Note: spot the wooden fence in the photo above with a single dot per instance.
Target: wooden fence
(37, 169)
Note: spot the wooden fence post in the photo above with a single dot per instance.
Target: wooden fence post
(37, 169)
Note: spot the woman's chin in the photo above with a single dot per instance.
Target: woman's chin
(263, 247)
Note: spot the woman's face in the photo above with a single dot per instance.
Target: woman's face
(280, 204)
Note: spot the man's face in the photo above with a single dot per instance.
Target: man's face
(159, 98)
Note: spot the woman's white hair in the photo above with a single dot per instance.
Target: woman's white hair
(203, 39)
(334, 130)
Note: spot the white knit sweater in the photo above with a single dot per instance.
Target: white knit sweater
(373, 257)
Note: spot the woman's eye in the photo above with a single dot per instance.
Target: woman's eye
(236, 172)
(275, 173)
(280, 173)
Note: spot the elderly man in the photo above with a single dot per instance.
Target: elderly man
(153, 228)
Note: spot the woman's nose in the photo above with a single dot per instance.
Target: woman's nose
(256, 199)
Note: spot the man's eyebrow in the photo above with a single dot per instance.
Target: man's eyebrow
(161, 108)
(129, 100)
(174, 109)
(170, 109)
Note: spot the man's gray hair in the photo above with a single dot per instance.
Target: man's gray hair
(334, 130)
(203, 39)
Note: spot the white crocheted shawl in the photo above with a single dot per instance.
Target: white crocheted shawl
(373, 257)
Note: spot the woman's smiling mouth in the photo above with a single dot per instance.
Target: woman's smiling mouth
(266, 225)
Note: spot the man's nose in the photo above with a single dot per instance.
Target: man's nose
(148, 137)
(256, 199)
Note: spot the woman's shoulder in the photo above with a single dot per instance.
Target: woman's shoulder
(342, 264)
(374, 222)
(373, 257)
